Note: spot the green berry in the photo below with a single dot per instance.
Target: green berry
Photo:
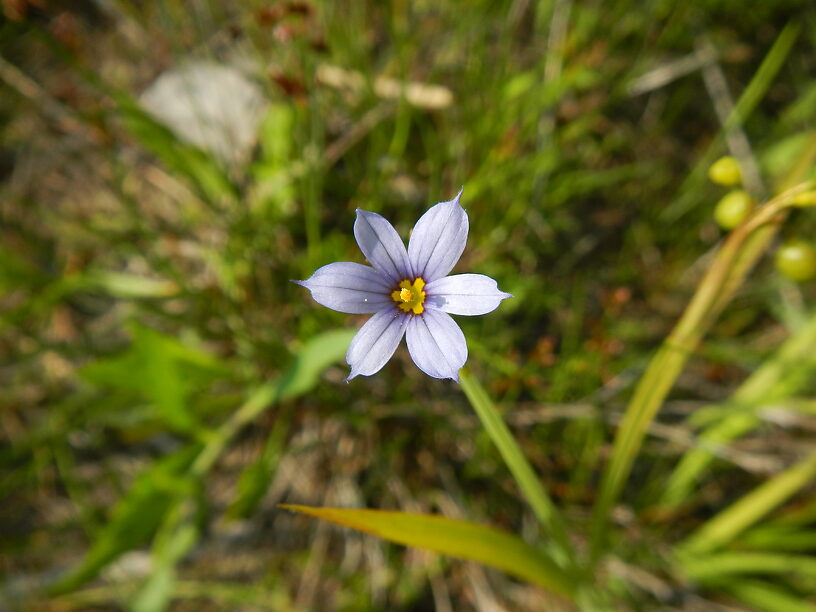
(796, 260)
(733, 209)
(725, 171)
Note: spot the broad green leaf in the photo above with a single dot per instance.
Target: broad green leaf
(729, 523)
(123, 285)
(135, 517)
(274, 189)
(312, 359)
(160, 369)
(452, 537)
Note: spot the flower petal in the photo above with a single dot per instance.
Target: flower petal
(349, 287)
(381, 245)
(436, 344)
(438, 240)
(465, 294)
(376, 341)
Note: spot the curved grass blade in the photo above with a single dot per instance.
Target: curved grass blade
(785, 374)
(736, 257)
(761, 595)
(530, 485)
(453, 537)
(732, 521)
(712, 568)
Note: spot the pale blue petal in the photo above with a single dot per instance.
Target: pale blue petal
(382, 246)
(349, 287)
(464, 294)
(376, 341)
(438, 240)
(436, 344)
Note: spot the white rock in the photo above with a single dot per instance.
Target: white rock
(213, 106)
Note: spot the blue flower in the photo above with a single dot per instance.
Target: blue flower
(409, 292)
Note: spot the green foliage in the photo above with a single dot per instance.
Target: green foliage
(136, 517)
(197, 166)
(164, 385)
(310, 361)
(160, 370)
(452, 537)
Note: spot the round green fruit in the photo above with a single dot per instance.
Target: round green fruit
(796, 260)
(733, 209)
(725, 171)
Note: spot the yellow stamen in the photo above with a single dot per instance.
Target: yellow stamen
(410, 296)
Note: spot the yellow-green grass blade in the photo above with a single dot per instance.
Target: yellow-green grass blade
(777, 379)
(456, 538)
(713, 568)
(751, 96)
(732, 521)
(727, 272)
(530, 485)
(768, 597)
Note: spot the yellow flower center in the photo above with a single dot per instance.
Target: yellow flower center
(410, 296)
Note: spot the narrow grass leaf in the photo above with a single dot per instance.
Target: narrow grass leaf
(786, 373)
(712, 567)
(774, 537)
(768, 597)
(452, 537)
(168, 550)
(738, 254)
(692, 187)
(255, 479)
(312, 359)
(132, 286)
(517, 463)
(729, 523)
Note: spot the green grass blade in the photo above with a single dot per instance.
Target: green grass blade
(778, 378)
(453, 537)
(767, 597)
(729, 523)
(758, 86)
(136, 516)
(732, 263)
(713, 567)
(530, 485)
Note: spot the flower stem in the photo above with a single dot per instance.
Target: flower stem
(528, 482)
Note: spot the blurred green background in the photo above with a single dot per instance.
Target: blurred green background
(167, 167)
